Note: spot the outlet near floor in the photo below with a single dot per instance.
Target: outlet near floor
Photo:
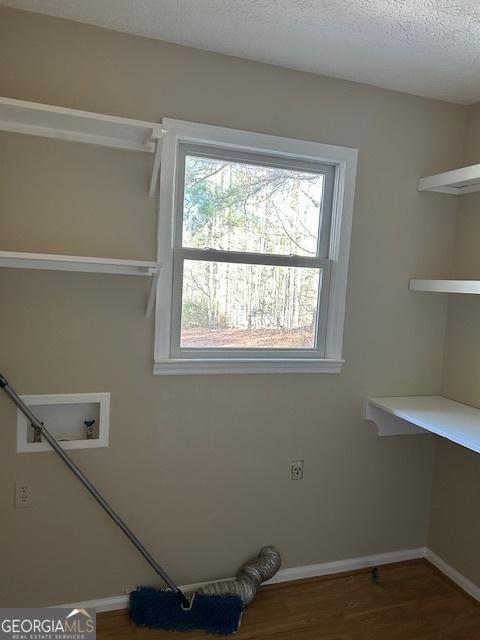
(23, 495)
(296, 469)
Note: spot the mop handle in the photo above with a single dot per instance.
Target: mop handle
(35, 422)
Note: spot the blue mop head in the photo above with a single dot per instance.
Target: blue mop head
(161, 609)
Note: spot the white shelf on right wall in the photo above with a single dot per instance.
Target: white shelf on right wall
(409, 415)
(446, 286)
(457, 182)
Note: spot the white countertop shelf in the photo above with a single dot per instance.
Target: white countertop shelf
(20, 116)
(456, 182)
(446, 286)
(405, 415)
(115, 266)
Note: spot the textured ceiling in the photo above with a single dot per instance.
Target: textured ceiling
(425, 47)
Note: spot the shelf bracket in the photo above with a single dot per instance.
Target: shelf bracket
(388, 424)
(153, 293)
(156, 166)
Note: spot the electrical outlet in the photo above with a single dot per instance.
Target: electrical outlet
(23, 495)
(296, 469)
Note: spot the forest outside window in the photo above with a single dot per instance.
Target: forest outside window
(250, 253)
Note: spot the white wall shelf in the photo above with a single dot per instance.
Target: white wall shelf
(457, 182)
(20, 116)
(407, 415)
(74, 125)
(446, 286)
(54, 262)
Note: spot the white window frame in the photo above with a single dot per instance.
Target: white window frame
(167, 323)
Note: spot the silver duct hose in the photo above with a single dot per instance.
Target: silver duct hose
(250, 577)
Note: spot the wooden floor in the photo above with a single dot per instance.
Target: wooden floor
(411, 602)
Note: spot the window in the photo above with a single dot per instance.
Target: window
(254, 237)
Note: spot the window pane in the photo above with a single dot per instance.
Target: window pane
(234, 206)
(248, 306)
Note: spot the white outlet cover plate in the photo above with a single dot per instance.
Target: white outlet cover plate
(297, 464)
(103, 400)
(25, 504)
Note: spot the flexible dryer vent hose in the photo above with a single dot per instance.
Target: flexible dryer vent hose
(250, 577)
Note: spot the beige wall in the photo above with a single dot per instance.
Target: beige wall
(455, 521)
(199, 466)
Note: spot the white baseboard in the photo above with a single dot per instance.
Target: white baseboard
(352, 564)
(102, 604)
(464, 583)
(316, 570)
(284, 575)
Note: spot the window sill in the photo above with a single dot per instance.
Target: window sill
(180, 367)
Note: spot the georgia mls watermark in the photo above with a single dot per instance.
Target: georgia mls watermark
(47, 624)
